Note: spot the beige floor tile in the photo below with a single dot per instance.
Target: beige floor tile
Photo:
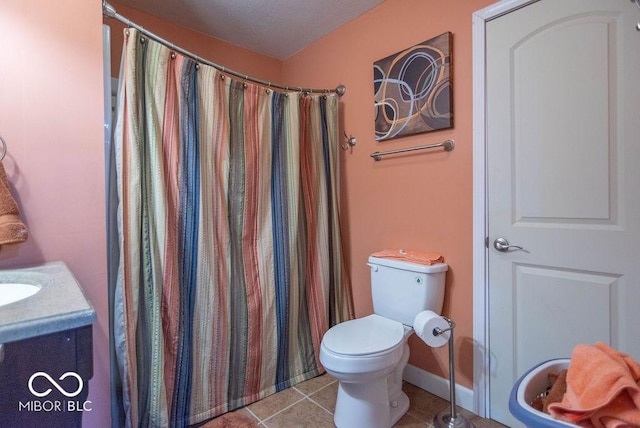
(246, 412)
(239, 418)
(274, 403)
(423, 405)
(409, 421)
(304, 414)
(326, 397)
(310, 386)
(290, 408)
(485, 423)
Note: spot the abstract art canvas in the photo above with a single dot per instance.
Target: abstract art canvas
(413, 91)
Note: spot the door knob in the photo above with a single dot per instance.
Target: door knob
(503, 245)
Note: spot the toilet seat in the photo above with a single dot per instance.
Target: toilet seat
(372, 334)
(364, 345)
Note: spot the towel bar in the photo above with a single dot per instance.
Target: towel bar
(448, 145)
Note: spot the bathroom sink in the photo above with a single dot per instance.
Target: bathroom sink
(13, 292)
(39, 300)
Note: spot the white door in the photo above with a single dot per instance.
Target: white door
(563, 166)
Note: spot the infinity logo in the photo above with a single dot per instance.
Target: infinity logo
(54, 383)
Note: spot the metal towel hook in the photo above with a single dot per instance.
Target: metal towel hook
(349, 142)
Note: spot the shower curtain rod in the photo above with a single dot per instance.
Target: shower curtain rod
(110, 12)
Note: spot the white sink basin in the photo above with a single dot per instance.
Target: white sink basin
(13, 292)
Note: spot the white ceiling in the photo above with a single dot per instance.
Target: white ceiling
(276, 28)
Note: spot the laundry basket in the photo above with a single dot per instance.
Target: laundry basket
(528, 387)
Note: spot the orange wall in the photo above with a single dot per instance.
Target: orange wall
(212, 49)
(418, 201)
(51, 116)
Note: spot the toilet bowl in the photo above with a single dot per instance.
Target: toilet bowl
(368, 355)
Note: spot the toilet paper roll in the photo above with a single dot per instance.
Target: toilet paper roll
(424, 324)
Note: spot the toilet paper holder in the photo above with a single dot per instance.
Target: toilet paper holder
(450, 419)
(439, 331)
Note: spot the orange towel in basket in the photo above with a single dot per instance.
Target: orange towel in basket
(603, 389)
(410, 256)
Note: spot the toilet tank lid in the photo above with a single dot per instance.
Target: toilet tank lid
(413, 267)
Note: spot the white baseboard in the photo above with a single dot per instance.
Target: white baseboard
(438, 386)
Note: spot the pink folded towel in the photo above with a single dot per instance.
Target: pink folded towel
(12, 229)
(603, 389)
(410, 256)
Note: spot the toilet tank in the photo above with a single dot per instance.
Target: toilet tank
(402, 289)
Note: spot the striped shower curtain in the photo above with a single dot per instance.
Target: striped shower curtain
(231, 266)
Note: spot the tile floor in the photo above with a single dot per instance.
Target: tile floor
(311, 404)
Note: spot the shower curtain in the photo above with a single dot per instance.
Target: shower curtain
(231, 266)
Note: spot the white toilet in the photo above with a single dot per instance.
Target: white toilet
(368, 355)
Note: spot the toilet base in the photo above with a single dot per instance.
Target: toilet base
(400, 409)
(377, 403)
(368, 405)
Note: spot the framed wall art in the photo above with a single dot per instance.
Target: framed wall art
(413, 90)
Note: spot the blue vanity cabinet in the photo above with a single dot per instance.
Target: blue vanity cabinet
(44, 380)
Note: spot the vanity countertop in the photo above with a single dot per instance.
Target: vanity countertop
(59, 305)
